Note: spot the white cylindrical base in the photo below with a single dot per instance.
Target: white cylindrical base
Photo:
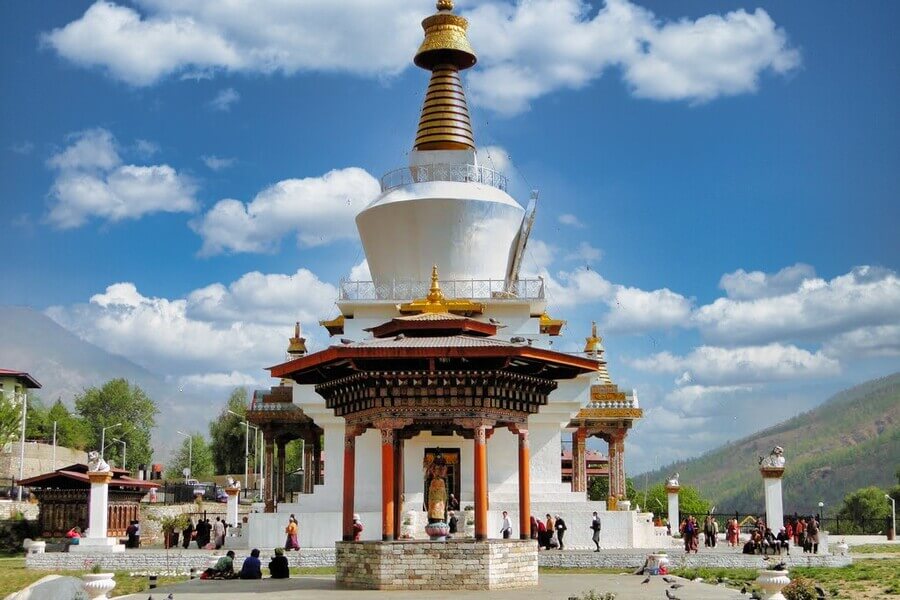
(98, 512)
(774, 510)
(231, 510)
(674, 517)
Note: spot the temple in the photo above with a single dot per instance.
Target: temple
(445, 355)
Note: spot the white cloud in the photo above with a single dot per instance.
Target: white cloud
(224, 380)
(693, 399)
(224, 99)
(91, 181)
(570, 220)
(212, 330)
(711, 365)
(145, 148)
(217, 163)
(881, 340)
(741, 285)
(495, 157)
(22, 148)
(360, 272)
(581, 286)
(632, 310)
(318, 209)
(864, 297)
(526, 49)
(586, 253)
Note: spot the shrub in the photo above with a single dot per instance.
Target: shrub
(800, 588)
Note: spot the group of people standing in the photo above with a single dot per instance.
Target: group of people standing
(207, 535)
(549, 533)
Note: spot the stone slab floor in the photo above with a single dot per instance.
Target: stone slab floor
(552, 587)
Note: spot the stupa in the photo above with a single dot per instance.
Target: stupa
(444, 243)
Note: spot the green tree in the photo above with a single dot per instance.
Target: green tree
(689, 500)
(118, 401)
(71, 432)
(226, 434)
(36, 421)
(598, 489)
(194, 453)
(10, 418)
(862, 508)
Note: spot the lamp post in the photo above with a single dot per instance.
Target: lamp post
(246, 425)
(893, 516)
(24, 398)
(190, 452)
(124, 448)
(103, 438)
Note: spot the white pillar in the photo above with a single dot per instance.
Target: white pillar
(98, 517)
(674, 516)
(772, 486)
(231, 509)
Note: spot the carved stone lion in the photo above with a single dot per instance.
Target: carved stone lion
(96, 463)
(774, 460)
(673, 480)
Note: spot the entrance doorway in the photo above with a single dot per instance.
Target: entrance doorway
(451, 456)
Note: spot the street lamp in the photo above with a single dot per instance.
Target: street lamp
(103, 438)
(190, 451)
(246, 448)
(24, 397)
(124, 448)
(893, 516)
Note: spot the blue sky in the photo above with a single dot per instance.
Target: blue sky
(671, 149)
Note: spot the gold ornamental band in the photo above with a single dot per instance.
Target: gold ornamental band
(772, 472)
(445, 123)
(100, 476)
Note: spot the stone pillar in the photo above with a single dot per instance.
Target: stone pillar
(579, 469)
(481, 487)
(674, 511)
(97, 539)
(231, 509)
(772, 489)
(269, 468)
(524, 486)
(349, 480)
(279, 480)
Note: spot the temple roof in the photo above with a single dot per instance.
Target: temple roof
(30, 382)
(75, 477)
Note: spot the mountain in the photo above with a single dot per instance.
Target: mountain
(65, 364)
(850, 441)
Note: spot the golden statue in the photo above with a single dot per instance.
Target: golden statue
(436, 500)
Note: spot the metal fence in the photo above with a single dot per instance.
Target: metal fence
(475, 289)
(443, 172)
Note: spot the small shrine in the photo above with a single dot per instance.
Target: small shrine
(64, 497)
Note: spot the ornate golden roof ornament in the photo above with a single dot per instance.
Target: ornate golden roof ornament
(550, 325)
(593, 344)
(444, 123)
(435, 302)
(334, 326)
(297, 345)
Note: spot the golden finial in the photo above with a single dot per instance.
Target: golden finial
(435, 295)
(592, 344)
(445, 51)
(435, 302)
(297, 345)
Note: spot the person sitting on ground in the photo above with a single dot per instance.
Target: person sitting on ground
(223, 569)
(783, 540)
(769, 542)
(251, 569)
(74, 536)
(278, 566)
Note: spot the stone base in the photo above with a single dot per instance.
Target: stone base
(97, 545)
(459, 564)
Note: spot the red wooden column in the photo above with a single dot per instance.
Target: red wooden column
(279, 448)
(524, 486)
(350, 433)
(481, 496)
(387, 484)
(579, 470)
(398, 484)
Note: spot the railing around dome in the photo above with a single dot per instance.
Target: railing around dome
(443, 172)
(464, 289)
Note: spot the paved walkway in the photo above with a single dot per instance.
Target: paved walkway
(553, 587)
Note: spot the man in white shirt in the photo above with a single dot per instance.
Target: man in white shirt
(506, 527)
(595, 526)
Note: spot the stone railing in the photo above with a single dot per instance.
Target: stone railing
(468, 289)
(443, 172)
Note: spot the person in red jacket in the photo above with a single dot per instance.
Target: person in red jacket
(357, 528)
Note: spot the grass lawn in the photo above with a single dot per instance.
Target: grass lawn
(875, 549)
(14, 576)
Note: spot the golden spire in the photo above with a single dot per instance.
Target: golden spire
(435, 302)
(592, 344)
(435, 294)
(297, 345)
(444, 123)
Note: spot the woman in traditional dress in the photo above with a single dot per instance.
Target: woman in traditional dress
(292, 542)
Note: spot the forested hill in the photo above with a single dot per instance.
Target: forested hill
(850, 441)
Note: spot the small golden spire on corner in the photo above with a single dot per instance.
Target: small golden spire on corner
(445, 4)
(435, 295)
(592, 344)
(297, 345)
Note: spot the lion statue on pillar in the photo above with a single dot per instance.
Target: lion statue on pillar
(96, 462)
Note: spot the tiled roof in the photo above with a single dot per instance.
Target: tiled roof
(452, 341)
(30, 381)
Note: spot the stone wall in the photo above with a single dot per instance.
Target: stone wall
(451, 565)
(175, 561)
(635, 558)
(28, 509)
(38, 459)
(150, 530)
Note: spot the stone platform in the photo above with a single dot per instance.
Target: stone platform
(426, 565)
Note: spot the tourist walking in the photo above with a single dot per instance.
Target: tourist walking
(292, 542)
(732, 532)
(357, 528)
(542, 535)
(812, 535)
(187, 534)
(560, 530)
(505, 526)
(219, 532)
(534, 528)
(595, 527)
(278, 566)
(453, 522)
(552, 542)
(710, 531)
